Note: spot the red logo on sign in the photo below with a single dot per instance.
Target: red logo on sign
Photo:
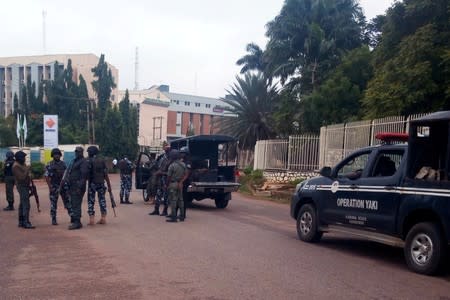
(50, 123)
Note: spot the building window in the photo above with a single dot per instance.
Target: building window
(187, 103)
(157, 128)
(208, 105)
(197, 104)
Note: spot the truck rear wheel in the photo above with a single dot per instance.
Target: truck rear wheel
(307, 224)
(222, 200)
(425, 248)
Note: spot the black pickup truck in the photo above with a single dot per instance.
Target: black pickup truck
(213, 166)
(396, 193)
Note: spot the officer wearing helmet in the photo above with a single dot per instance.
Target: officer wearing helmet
(22, 176)
(9, 180)
(77, 174)
(161, 196)
(175, 176)
(54, 172)
(98, 174)
(126, 168)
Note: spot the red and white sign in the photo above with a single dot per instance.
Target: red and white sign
(50, 131)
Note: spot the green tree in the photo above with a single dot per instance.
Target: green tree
(338, 99)
(103, 85)
(254, 60)
(308, 37)
(113, 146)
(250, 108)
(130, 129)
(411, 67)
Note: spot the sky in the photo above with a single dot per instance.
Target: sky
(192, 46)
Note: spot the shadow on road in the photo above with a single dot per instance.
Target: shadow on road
(383, 253)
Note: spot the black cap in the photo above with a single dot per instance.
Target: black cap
(55, 151)
(79, 149)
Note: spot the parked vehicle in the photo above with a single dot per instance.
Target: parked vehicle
(213, 159)
(396, 193)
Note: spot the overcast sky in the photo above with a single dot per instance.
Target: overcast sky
(190, 45)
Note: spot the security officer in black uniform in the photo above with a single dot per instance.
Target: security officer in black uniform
(77, 175)
(9, 180)
(54, 172)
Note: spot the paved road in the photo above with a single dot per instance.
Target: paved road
(247, 251)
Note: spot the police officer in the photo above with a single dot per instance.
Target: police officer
(9, 180)
(184, 157)
(126, 169)
(161, 179)
(22, 177)
(77, 175)
(54, 172)
(98, 174)
(175, 176)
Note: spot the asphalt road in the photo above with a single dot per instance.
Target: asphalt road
(247, 251)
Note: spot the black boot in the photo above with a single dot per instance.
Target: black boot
(182, 214)
(27, 224)
(75, 225)
(121, 200)
(21, 221)
(127, 201)
(9, 207)
(155, 212)
(54, 221)
(164, 213)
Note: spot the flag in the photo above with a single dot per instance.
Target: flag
(24, 127)
(18, 126)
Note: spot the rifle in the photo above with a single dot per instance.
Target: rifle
(64, 178)
(113, 203)
(33, 192)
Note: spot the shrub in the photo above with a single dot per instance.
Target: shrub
(297, 181)
(37, 169)
(248, 170)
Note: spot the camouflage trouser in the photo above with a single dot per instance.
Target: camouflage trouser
(175, 196)
(152, 186)
(24, 206)
(9, 185)
(100, 189)
(125, 187)
(161, 192)
(54, 200)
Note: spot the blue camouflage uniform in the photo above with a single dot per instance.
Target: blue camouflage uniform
(54, 171)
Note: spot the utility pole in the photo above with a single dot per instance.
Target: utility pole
(44, 14)
(136, 71)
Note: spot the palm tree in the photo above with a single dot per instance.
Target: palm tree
(254, 60)
(250, 105)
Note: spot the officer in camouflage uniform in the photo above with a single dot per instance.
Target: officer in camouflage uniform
(54, 172)
(126, 169)
(22, 177)
(77, 175)
(9, 180)
(161, 178)
(175, 176)
(98, 174)
(184, 157)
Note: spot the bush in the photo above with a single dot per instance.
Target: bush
(37, 169)
(297, 181)
(248, 170)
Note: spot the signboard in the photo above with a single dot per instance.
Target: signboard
(50, 131)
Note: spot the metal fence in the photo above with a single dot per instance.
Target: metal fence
(296, 153)
(311, 152)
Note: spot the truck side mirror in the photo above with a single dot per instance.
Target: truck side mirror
(325, 172)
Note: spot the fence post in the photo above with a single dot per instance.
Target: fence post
(289, 154)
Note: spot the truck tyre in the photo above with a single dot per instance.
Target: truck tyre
(145, 195)
(307, 224)
(221, 201)
(425, 248)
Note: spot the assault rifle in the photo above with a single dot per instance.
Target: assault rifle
(111, 196)
(63, 185)
(33, 192)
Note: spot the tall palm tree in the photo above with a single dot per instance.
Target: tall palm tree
(250, 105)
(254, 60)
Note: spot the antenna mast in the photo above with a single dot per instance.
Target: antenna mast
(136, 71)
(44, 14)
